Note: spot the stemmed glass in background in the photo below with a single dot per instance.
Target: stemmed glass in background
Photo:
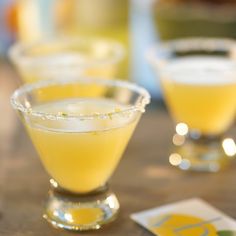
(198, 78)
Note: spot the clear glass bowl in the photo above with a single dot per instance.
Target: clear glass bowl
(198, 78)
(80, 128)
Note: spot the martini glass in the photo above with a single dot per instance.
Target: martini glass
(80, 139)
(74, 56)
(198, 78)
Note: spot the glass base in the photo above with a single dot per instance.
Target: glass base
(76, 212)
(199, 153)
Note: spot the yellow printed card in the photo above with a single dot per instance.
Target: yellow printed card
(192, 217)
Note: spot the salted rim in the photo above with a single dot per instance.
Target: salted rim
(140, 106)
(18, 53)
(196, 43)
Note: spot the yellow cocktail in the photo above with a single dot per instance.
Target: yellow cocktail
(198, 77)
(81, 156)
(201, 93)
(80, 137)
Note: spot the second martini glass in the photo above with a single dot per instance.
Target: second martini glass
(198, 78)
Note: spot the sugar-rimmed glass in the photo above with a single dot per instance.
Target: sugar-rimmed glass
(80, 138)
(198, 77)
(74, 56)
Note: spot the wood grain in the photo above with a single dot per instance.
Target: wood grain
(143, 180)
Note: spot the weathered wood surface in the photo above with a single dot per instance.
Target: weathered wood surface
(143, 180)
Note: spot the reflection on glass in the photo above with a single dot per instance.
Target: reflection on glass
(198, 80)
(80, 138)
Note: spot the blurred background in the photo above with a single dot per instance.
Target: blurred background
(135, 23)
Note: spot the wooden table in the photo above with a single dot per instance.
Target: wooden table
(144, 178)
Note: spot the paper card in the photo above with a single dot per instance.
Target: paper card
(192, 217)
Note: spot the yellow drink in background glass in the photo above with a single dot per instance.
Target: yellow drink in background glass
(81, 155)
(67, 57)
(201, 93)
(198, 78)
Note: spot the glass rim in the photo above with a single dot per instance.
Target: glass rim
(207, 44)
(140, 106)
(18, 51)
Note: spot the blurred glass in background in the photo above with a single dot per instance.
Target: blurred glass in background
(66, 57)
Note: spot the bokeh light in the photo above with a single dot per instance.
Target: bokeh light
(181, 129)
(229, 147)
(175, 159)
(178, 140)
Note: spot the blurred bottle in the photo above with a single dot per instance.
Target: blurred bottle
(93, 18)
(143, 35)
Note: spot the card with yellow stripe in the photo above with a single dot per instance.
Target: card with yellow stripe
(192, 217)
